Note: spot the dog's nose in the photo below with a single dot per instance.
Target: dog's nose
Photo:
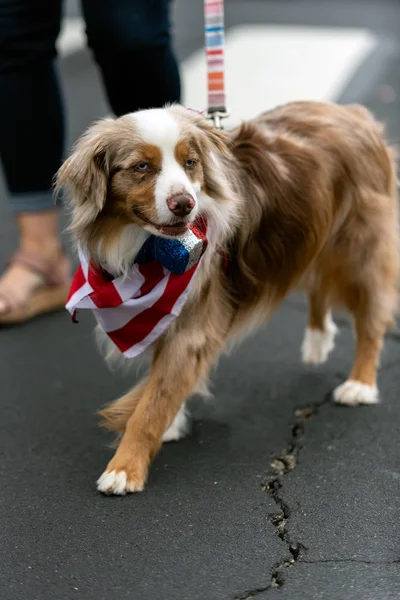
(181, 204)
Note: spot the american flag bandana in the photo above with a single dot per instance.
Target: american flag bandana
(136, 309)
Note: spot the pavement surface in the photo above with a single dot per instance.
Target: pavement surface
(279, 494)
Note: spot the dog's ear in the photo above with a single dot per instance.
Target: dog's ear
(85, 173)
(216, 138)
(215, 149)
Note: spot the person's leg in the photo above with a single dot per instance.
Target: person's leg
(131, 41)
(31, 136)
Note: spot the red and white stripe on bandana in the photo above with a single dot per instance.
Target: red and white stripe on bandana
(133, 310)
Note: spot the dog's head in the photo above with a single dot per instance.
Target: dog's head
(153, 171)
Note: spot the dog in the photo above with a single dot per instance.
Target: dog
(302, 197)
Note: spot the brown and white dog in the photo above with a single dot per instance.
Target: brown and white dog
(303, 196)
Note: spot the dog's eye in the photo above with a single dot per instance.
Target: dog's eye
(142, 166)
(190, 163)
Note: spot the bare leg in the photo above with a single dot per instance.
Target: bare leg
(38, 236)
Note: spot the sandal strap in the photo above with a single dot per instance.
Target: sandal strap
(53, 271)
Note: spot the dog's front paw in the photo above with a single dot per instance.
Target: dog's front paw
(353, 393)
(120, 479)
(116, 483)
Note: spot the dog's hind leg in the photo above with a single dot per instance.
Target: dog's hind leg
(320, 334)
(370, 293)
(360, 387)
(371, 319)
(117, 413)
(180, 426)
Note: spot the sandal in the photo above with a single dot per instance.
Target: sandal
(49, 296)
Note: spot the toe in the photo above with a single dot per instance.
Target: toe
(112, 482)
(118, 483)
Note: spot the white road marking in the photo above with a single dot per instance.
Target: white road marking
(266, 65)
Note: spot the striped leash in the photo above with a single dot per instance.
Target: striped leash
(214, 38)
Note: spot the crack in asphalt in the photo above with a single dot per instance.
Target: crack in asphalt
(252, 593)
(277, 579)
(352, 560)
(281, 465)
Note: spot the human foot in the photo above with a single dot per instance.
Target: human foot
(33, 284)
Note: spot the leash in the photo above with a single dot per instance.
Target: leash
(215, 54)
